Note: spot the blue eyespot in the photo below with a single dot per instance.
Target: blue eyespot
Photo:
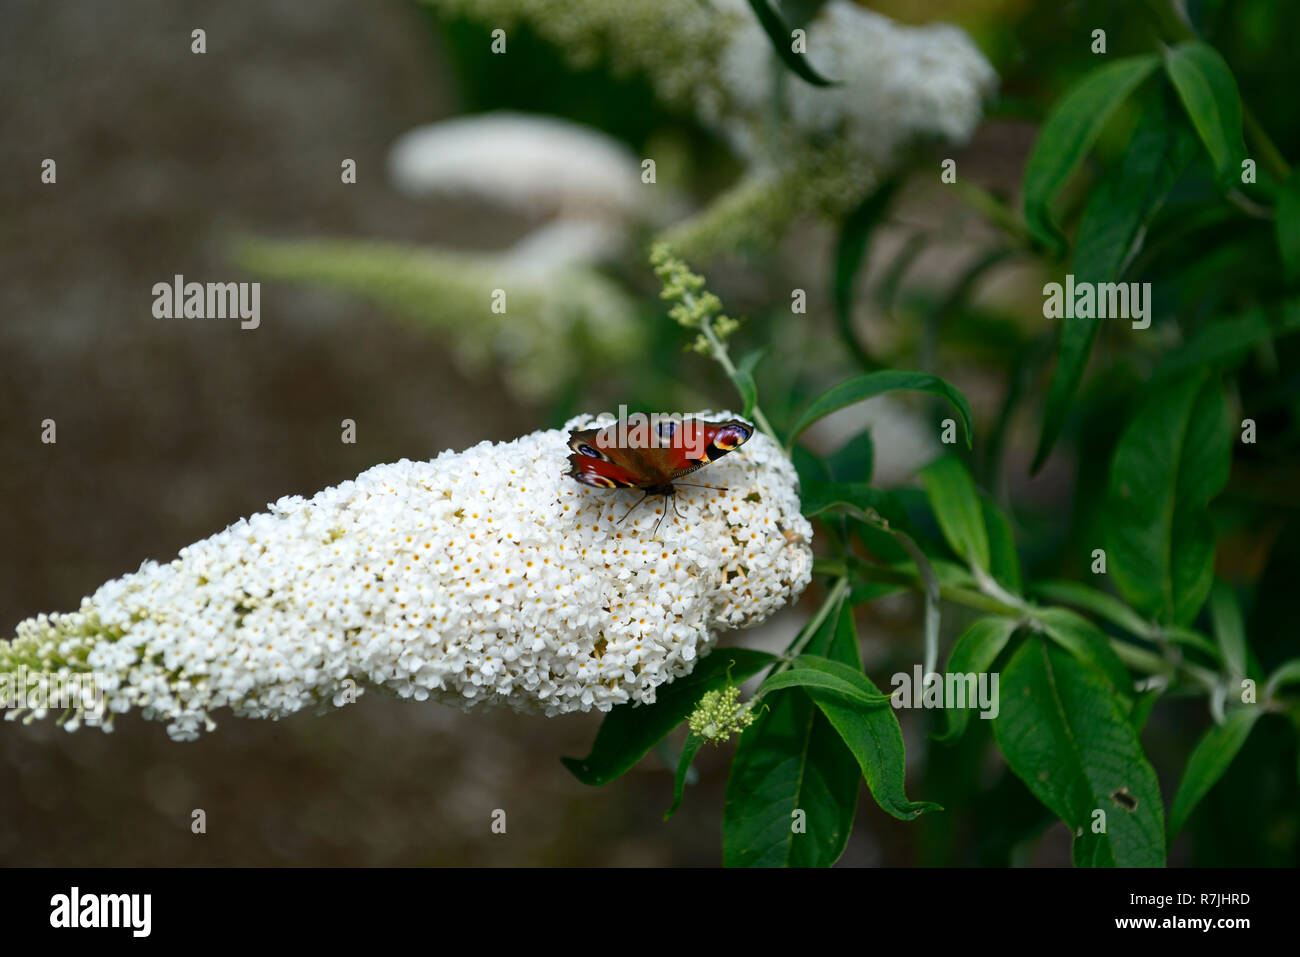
(588, 450)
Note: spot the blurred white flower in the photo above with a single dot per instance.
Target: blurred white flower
(588, 183)
(537, 164)
(480, 577)
(809, 148)
(893, 84)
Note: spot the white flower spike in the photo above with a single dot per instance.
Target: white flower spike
(480, 577)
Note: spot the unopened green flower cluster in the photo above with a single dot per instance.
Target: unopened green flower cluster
(694, 307)
(720, 715)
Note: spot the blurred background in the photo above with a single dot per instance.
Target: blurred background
(226, 166)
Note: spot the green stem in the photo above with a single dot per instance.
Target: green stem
(724, 358)
(1269, 154)
(831, 602)
(997, 212)
(1003, 603)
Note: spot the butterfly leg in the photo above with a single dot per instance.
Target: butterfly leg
(657, 524)
(633, 508)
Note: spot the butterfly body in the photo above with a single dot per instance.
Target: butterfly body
(653, 454)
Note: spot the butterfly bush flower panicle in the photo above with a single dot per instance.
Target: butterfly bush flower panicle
(720, 715)
(896, 86)
(694, 307)
(481, 577)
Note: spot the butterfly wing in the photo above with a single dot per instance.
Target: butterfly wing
(599, 460)
(592, 462)
(695, 443)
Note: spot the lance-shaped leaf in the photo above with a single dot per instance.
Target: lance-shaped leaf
(1111, 233)
(1088, 644)
(1209, 93)
(1069, 132)
(854, 460)
(1171, 460)
(974, 653)
(874, 737)
(1229, 629)
(1098, 602)
(1065, 735)
(822, 674)
(1004, 562)
(690, 748)
(957, 506)
(877, 383)
(793, 788)
(1209, 759)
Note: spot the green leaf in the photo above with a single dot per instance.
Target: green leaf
(1229, 629)
(1124, 200)
(1004, 562)
(837, 643)
(874, 737)
(1096, 601)
(1111, 233)
(1142, 706)
(877, 743)
(628, 732)
(1087, 643)
(850, 251)
(831, 683)
(1179, 635)
(779, 34)
(869, 591)
(789, 760)
(1068, 133)
(1287, 673)
(1209, 759)
(811, 468)
(854, 460)
(851, 497)
(858, 686)
(877, 383)
(1219, 344)
(689, 749)
(1209, 94)
(1171, 460)
(1287, 224)
(792, 759)
(1065, 735)
(974, 653)
(858, 500)
(743, 379)
(957, 506)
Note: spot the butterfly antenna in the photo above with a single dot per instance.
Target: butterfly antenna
(716, 488)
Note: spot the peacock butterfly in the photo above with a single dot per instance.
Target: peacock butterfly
(651, 452)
